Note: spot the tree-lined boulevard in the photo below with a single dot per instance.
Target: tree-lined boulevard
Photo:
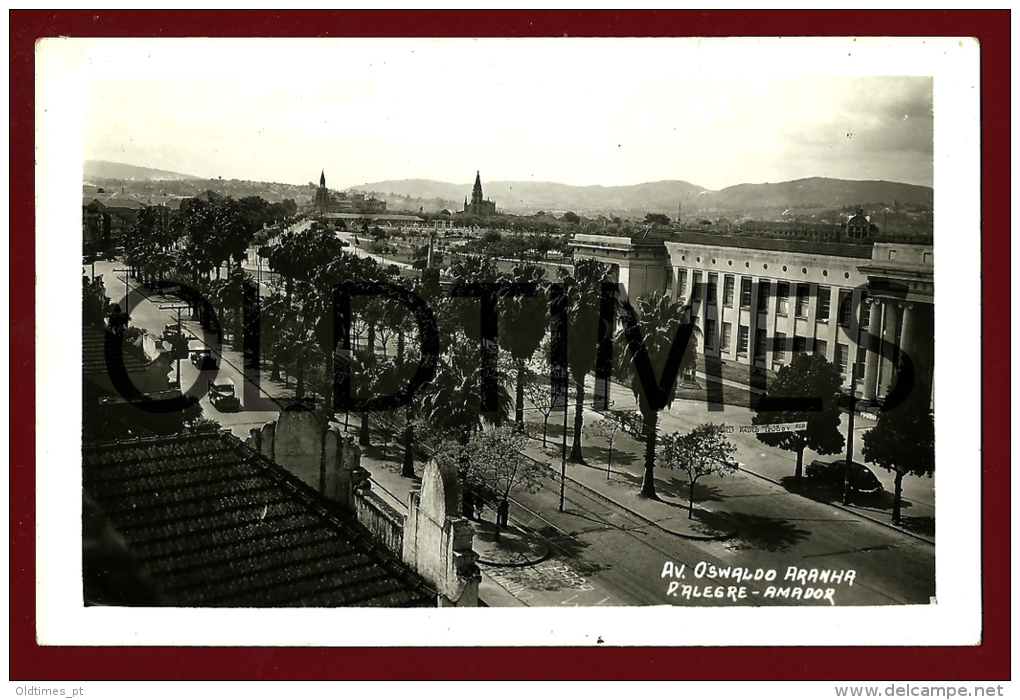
(619, 526)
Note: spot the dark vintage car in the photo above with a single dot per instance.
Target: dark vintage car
(174, 335)
(203, 358)
(862, 479)
(222, 396)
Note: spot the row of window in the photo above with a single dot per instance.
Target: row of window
(779, 355)
(802, 296)
(803, 270)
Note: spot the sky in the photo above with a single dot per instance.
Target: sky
(581, 112)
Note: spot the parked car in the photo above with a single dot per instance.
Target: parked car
(222, 397)
(862, 479)
(203, 358)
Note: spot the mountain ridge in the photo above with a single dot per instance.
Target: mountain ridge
(111, 170)
(662, 195)
(665, 196)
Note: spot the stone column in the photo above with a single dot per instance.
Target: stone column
(890, 325)
(873, 358)
(907, 335)
(770, 321)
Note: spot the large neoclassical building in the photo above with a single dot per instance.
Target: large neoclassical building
(859, 301)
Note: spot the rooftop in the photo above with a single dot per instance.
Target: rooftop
(211, 523)
(371, 217)
(844, 250)
(93, 353)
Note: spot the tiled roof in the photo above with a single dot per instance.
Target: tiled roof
(215, 524)
(93, 353)
(123, 203)
(843, 250)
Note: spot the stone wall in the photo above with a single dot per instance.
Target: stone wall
(438, 542)
(381, 520)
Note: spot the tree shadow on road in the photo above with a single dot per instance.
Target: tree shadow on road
(565, 560)
(756, 532)
(680, 488)
(598, 456)
(676, 487)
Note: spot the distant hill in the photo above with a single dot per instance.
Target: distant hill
(107, 170)
(815, 192)
(662, 196)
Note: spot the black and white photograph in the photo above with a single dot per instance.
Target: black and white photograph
(639, 332)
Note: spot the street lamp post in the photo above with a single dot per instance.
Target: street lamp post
(850, 431)
(181, 329)
(127, 289)
(563, 456)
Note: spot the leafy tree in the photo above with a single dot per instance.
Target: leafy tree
(807, 377)
(702, 452)
(607, 428)
(571, 217)
(537, 390)
(656, 219)
(903, 441)
(661, 324)
(420, 258)
(95, 303)
(277, 325)
(543, 244)
(118, 320)
(497, 463)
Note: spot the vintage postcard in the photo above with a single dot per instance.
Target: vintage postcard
(597, 341)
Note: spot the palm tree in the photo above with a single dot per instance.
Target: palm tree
(451, 402)
(366, 375)
(584, 289)
(228, 296)
(660, 338)
(524, 323)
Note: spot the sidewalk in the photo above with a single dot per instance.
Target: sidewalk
(621, 486)
(756, 460)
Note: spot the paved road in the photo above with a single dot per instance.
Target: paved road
(603, 554)
(362, 253)
(777, 530)
(918, 492)
(146, 313)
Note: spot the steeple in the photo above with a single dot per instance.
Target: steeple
(322, 179)
(476, 193)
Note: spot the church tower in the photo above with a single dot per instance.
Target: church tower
(478, 205)
(322, 198)
(476, 193)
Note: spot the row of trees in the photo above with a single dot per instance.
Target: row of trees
(903, 440)
(296, 326)
(519, 247)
